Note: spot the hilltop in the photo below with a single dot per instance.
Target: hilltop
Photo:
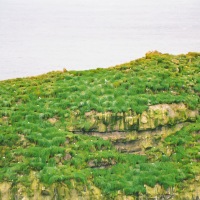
(125, 132)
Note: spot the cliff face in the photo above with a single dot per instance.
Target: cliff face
(138, 141)
(155, 116)
(39, 191)
(133, 133)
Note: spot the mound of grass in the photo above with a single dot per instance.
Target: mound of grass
(35, 119)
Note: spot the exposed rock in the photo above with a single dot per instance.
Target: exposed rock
(67, 156)
(5, 190)
(155, 116)
(39, 191)
(52, 120)
(101, 164)
(154, 192)
(163, 114)
(139, 141)
(144, 118)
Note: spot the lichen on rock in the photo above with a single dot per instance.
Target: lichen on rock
(155, 116)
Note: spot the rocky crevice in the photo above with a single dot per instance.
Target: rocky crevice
(138, 142)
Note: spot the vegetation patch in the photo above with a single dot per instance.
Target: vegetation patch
(37, 115)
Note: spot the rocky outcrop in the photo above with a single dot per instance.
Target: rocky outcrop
(40, 191)
(135, 133)
(155, 116)
(138, 141)
(165, 114)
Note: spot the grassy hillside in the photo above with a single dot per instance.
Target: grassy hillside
(36, 119)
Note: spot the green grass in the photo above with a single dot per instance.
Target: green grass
(30, 142)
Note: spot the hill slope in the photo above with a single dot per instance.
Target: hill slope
(127, 131)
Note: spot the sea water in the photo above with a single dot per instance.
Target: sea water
(38, 36)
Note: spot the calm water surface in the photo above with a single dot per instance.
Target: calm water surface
(37, 36)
